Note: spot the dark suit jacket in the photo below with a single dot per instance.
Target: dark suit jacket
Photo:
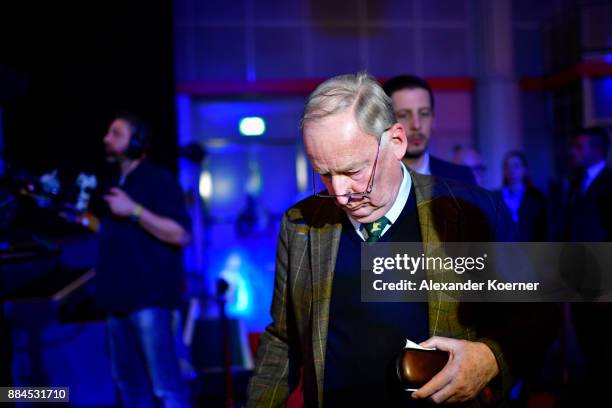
(532, 222)
(308, 244)
(590, 216)
(590, 220)
(443, 168)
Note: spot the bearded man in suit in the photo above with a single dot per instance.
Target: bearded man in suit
(345, 348)
(413, 102)
(590, 220)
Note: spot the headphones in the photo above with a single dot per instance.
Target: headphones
(139, 138)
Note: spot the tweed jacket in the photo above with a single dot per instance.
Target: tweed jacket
(296, 339)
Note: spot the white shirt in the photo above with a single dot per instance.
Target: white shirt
(397, 207)
(592, 173)
(513, 200)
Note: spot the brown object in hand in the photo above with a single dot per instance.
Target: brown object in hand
(416, 367)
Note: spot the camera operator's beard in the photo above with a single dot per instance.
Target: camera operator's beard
(115, 158)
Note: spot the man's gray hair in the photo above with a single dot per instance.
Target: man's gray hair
(371, 106)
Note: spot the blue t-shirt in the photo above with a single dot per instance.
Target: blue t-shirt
(136, 270)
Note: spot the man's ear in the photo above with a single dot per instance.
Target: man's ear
(397, 140)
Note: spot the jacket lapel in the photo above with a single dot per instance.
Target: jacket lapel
(437, 209)
(325, 241)
(439, 222)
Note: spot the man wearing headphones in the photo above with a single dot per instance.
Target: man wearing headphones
(139, 270)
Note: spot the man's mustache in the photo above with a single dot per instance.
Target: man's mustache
(352, 204)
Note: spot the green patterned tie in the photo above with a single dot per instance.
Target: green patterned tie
(375, 229)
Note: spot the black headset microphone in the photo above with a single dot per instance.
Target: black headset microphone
(139, 141)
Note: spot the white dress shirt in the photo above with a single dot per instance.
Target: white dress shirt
(592, 173)
(397, 207)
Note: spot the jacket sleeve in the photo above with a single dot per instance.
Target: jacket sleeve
(270, 384)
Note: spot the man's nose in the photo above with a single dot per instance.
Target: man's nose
(340, 186)
(415, 122)
(342, 200)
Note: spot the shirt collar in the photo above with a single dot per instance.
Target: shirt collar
(424, 167)
(594, 170)
(400, 200)
(519, 191)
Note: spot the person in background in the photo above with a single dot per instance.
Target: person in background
(528, 208)
(469, 156)
(413, 103)
(590, 187)
(527, 204)
(589, 219)
(139, 274)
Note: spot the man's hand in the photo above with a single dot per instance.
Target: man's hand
(119, 202)
(471, 366)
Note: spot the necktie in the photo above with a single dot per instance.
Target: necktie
(375, 229)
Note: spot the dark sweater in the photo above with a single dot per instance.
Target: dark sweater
(364, 338)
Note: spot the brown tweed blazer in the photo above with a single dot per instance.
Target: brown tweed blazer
(296, 339)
